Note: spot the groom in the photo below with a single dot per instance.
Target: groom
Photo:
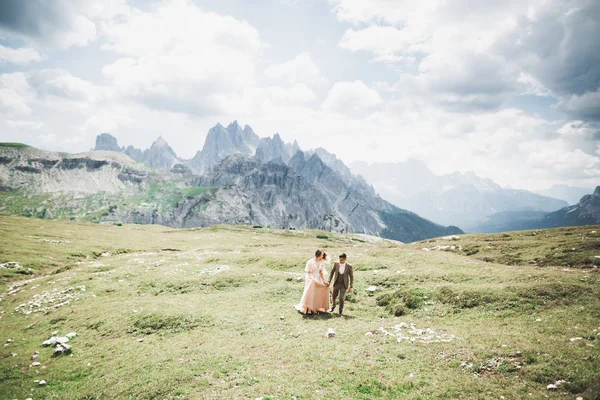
(342, 278)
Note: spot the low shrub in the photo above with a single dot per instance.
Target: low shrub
(322, 237)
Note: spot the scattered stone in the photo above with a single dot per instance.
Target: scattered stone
(466, 365)
(9, 340)
(282, 317)
(71, 335)
(574, 339)
(371, 288)
(105, 254)
(579, 398)
(368, 333)
(36, 364)
(49, 342)
(551, 387)
(11, 264)
(42, 383)
(50, 300)
(140, 340)
(443, 248)
(538, 320)
(13, 354)
(214, 271)
(330, 333)
(451, 237)
(62, 348)
(54, 333)
(34, 357)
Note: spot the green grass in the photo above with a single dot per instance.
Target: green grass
(207, 304)
(571, 247)
(195, 191)
(13, 145)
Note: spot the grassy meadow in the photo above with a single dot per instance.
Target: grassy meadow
(208, 313)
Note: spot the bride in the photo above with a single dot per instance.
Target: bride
(316, 289)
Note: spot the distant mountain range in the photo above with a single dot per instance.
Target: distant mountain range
(237, 178)
(585, 212)
(459, 199)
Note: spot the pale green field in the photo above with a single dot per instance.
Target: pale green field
(221, 335)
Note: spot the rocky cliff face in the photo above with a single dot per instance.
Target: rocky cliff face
(37, 171)
(587, 211)
(222, 142)
(304, 194)
(271, 149)
(106, 141)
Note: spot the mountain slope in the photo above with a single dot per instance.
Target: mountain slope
(585, 212)
(107, 186)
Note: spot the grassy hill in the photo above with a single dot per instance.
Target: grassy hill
(162, 313)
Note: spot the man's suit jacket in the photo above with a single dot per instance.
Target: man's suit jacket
(348, 275)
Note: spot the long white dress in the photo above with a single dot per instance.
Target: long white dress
(316, 294)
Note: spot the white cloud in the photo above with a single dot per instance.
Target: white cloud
(383, 41)
(18, 56)
(60, 83)
(482, 52)
(301, 69)
(34, 125)
(15, 94)
(181, 58)
(351, 98)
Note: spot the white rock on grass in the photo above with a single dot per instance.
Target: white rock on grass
(330, 333)
(71, 335)
(9, 340)
(371, 288)
(62, 348)
(551, 387)
(36, 364)
(42, 383)
(574, 339)
(49, 342)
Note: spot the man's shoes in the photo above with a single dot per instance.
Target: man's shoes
(333, 308)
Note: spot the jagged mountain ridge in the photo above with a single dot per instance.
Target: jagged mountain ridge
(220, 143)
(238, 190)
(160, 155)
(461, 199)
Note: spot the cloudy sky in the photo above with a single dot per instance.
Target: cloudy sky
(509, 89)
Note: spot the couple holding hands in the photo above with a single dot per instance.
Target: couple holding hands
(315, 297)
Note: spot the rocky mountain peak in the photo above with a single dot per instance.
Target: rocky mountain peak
(106, 141)
(160, 142)
(597, 191)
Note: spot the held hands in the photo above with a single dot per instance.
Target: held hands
(349, 290)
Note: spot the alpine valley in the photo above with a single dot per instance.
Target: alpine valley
(237, 178)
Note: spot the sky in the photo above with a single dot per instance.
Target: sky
(508, 89)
